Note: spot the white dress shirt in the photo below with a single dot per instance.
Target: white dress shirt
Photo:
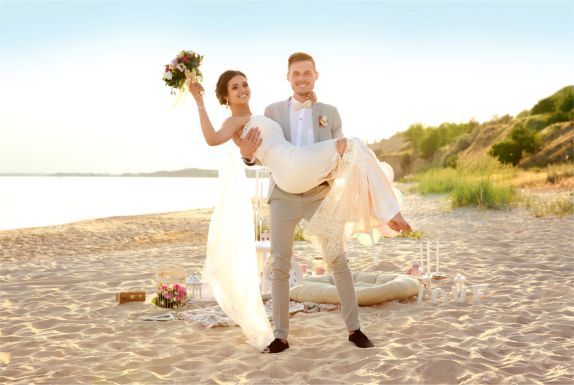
(301, 125)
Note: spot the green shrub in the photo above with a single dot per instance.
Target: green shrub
(554, 207)
(559, 116)
(430, 144)
(414, 135)
(567, 103)
(523, 114)
(435, 181)
(537, 123)
(543, 106)
(521, 140)
(480, 182)
(507, 152)
(527, 139)
(406, 160)
(482, 193)
(450, 161)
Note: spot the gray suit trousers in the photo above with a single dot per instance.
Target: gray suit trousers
(286, 211)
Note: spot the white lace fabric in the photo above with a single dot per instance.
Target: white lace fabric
(361, 199)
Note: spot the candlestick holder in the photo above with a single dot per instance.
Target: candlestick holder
(438, 276)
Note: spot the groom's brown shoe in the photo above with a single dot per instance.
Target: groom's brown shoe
(277, 346)
(360, 339)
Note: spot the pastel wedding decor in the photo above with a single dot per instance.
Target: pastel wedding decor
(171, 290)
(195, 287)
(425, 286)
(130, 296)
(318, 266)
(459, 290)
(371, 288)
(414, 270)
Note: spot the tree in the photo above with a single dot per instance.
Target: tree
(521, 140)
(527, 140)
(507, 152)
(414, 135)
(430, 144)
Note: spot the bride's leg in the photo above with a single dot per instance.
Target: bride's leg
(398, 223)
(341, 145)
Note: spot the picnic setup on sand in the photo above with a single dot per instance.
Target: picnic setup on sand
(187, 297)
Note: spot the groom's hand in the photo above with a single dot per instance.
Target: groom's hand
(249, 144)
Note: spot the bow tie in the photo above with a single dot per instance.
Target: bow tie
(305, 104)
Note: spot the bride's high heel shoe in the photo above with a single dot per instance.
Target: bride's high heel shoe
(399, 223)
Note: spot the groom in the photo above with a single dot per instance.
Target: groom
(303, 123)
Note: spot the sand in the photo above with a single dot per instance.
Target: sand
(61, 324)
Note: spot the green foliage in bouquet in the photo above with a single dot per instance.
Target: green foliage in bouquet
(185, 65)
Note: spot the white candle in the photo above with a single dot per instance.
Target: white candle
(428, 257)
(437, 255)
(257, 184)
(422, 258)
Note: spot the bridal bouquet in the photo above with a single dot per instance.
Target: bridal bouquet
(183, 70)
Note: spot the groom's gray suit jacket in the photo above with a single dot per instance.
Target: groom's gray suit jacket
(332, 129)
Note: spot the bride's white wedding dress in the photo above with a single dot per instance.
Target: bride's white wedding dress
(361, 198)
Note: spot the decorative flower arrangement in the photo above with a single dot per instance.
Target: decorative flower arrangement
(182, 70)
(170, 296)
(323, 121)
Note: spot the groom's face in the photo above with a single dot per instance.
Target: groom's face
(302, 76)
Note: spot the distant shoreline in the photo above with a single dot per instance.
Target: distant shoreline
(185, 173)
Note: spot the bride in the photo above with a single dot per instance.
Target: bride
(360, 200)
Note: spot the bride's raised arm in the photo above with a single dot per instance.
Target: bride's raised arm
(228, 128)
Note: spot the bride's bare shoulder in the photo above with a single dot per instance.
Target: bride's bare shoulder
(236, 121)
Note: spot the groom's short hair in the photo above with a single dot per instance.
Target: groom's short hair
(300, 56)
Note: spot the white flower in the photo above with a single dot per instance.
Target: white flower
(168, 75)
(181, 67)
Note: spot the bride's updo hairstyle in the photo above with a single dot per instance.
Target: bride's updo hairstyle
(221, 88)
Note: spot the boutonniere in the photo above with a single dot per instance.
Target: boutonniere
(323, 121)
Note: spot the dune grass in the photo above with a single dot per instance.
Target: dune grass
(558, 207)
(485, 183)
(480, 182)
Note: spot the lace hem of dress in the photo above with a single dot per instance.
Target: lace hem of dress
(346, 208)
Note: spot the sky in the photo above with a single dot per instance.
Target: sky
(82, 91)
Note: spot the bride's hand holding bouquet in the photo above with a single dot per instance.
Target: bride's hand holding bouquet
(197, 92)
(183, 71)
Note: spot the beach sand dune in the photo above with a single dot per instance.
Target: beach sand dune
(61, 325)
